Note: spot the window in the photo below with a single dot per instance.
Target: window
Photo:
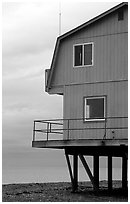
(120, 15)
(78, 55)
(94, 108)
(83, 55)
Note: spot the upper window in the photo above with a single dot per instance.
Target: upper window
(94, 108)
(83, 55)
(120, 15)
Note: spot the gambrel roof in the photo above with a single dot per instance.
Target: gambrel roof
(73, 31)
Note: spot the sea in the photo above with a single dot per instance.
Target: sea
(52, 174)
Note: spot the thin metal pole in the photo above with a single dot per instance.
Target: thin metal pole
(59, 18)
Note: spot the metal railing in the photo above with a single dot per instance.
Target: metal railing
(67, 126)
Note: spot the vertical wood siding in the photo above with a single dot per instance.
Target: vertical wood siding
(110, 38)
(110, 61)
(116, 105)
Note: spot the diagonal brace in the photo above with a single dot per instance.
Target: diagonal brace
(86, 168)
(69, 167)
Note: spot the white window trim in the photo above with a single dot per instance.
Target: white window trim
(98, 119)
(83, 55)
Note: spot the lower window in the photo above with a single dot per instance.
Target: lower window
(94, 108)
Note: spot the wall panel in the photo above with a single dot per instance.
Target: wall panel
(116, 106)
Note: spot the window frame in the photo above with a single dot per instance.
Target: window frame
(83, 44)
(84, 109)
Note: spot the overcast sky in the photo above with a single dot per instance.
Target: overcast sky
(29, 34)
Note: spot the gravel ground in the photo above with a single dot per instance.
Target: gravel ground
(61, 192)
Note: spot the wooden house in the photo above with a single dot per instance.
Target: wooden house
(90, 70)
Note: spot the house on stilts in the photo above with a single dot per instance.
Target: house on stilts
(89, 70)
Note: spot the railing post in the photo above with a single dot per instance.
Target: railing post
(68, 129)
(105, 129)
(34, 131)
(47, 130)
(50, 127)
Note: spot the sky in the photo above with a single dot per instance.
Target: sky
(29, 33)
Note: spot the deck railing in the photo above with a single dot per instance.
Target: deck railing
(60, 126)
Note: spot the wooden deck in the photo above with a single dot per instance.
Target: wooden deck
(62, 144)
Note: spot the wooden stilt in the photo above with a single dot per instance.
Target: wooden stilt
(87, 168)
(75, 172)
(95, 176)
(69, 167)
(110, 173)
(124, 172)
(96, 172)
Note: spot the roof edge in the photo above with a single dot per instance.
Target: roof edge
(98, 17)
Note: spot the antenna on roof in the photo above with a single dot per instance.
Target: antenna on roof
(59, 18)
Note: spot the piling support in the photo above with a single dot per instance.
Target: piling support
(124, 172)
(69, 167)
(109, 173)
(96, 172)
(75, 173)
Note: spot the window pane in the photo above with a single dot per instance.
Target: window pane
(88, 54)
(78, 55)
(120, 15)
(96, 108)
